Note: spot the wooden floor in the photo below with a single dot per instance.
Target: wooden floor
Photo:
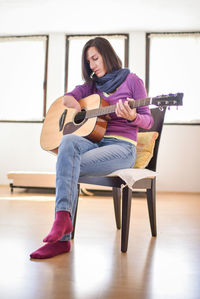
(153, 268)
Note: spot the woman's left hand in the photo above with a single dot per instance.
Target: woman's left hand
(123, 110)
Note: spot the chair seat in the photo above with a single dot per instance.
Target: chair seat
(132, 175)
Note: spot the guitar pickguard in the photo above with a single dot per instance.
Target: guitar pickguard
(72, 127)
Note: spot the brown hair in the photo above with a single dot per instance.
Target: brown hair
(111, 60)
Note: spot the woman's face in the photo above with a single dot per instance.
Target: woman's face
(95, 60)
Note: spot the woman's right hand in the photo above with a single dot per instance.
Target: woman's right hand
(71, 102)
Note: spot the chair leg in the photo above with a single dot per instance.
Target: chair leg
(74, 221)
(151, 201)
(126, 212)
(117, 206)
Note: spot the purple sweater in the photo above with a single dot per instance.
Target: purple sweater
(132, 87)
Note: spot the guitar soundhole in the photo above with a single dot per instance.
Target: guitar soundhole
(80, 117)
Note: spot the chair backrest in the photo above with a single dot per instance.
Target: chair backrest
(158, 116)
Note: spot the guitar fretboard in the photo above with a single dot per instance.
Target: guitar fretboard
(110, 109)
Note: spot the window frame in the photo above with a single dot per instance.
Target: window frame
(126, 49)
(147, 71)
(44, 80)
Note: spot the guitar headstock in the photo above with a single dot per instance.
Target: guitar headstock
(168, 100)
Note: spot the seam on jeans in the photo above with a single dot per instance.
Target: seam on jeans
(72, 180)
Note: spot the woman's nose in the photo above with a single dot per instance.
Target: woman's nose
(92, 65)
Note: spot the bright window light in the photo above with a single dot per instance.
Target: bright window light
(22, 75)
(174, 67)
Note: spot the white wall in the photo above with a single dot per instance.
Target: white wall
(179, 160)
(178, 163)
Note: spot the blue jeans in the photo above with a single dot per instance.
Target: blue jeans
(78, 156)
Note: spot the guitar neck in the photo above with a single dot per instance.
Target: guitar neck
(110, 109)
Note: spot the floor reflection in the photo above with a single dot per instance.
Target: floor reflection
(166, 267)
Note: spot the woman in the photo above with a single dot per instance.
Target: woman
(77, 156)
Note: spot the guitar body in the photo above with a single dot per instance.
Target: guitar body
(91, 128)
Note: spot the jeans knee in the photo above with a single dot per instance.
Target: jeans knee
(69, 141)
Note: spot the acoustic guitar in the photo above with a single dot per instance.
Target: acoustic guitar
(91, 122)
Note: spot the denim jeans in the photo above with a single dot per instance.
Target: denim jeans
(78, 156)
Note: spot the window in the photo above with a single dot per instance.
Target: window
(173, 64)
(23, 78)
(75, 45)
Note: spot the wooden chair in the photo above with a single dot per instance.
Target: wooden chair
(148, 184)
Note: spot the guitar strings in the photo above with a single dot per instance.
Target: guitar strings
(108, 109)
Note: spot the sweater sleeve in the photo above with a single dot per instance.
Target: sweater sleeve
(144, 118)
(81, 91)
